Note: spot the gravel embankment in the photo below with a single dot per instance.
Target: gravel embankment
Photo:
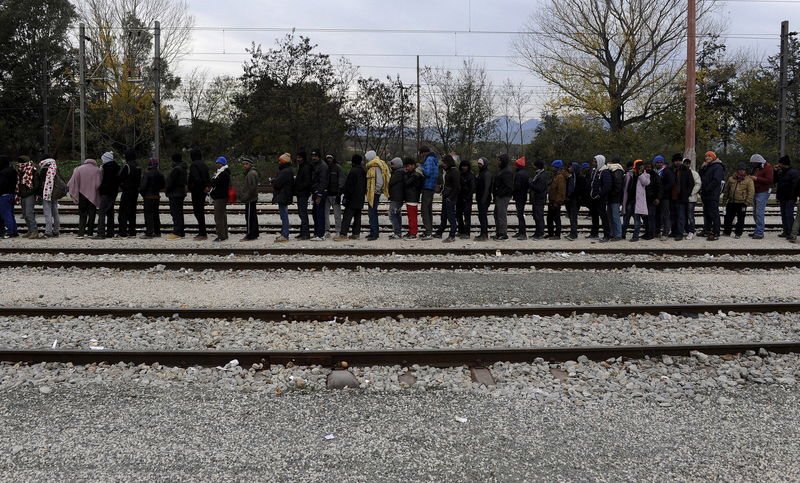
(139, 333)
(377, 288)
(135, 433)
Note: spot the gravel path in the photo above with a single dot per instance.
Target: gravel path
(365, 288)
(138, 333)
(129, 432)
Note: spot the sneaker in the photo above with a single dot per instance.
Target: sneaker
(592, 237)
(218, 239)
(604, 240)
(678, 238)
(317, 239)
(246, 239)
(634, 239)
(409, 236)
(426, 237)
(712, 238)
(282, 239)
(395, 236)
(437, 235)
(540, 237)
(338, 238)
(757, 237)
(145, 237)
(521, 237)
(616, 239)
(449, 239)
(372, 238)
(690, 236)
(200, 238)
(302, 237)
(354, 237)
(464, 236)
(500, 237)
(481, 238)
(571, 237)
(174, 237)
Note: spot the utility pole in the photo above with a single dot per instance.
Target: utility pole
(403, 119)
(691, 58)
(45, 120)
(82, 64)
(157, 98)
(419, 130)
(784, 66)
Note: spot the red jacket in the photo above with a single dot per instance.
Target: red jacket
(764, 178)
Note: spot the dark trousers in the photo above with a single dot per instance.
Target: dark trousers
(650, 221)
(553, 220)
(427, 211)
(734, 210)
(7, 214)
(302, 212)
(483, 218)
(105, 216)
(537, 211)
(86, 213)
(711, 216)
(626, 218)
(522, 226)
(464, 216)
(787, 215)
(678, 220)
(351, 215)
(572, 212)
(690, 217)
(372, 214)
(251, 220)
(664, 221)
(127, 214)
(176, 212)
(318, 214)
(198, 208)
(448, 215)
(152, 222)
(599, 218)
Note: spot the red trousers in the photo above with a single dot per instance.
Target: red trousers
(411, 213)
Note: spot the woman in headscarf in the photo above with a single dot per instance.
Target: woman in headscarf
(83, 189)
(27, 187)
(48, 178)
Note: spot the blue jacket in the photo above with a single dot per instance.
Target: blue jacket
(430, 168)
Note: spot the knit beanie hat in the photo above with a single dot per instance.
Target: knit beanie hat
(539, 164)
(575, 167)
(585, 165)
(520, 163)
(152, 163)
(356, 159)
(285, 158)
(222, 160)
(247, 160)
(396, 163)
(658, 158)
(712, 154)
(677, 157)
(482, 162)
(107, 157)
(463, 163)
(757, 159)
(741, 166)
(370, 155)
(558, 164)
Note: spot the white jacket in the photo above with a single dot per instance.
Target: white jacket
(696, 188)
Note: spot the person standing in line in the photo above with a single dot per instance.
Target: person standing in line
(450, 190)
(130, 176)
(627, 214)
(538, 188)
(615, 199)
(248, 196)
(199, 185)
(520, 196)
(663, 222)
(430, 168)
(109, 188)
(556, 194)
(412, 188)
(302, 190)
(176, 194)
(693, 196)
(27, 188)
(636, 188)
(152, 183)
(334, 198)
(763, 176)
(484, 183)
(679, 197)
(711, 176)
(83, 189)
(397, 196)
(320, 177)
(220, 184)
(575, 186)
(53, 188)
(8, 189)
(377, 184)
(464, 207)
(653, 198)
(737, 195)
(503, 190)
(600, 185)
(282, 193)
(786, 180)
(353, 196)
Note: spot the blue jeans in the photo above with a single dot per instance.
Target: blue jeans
(787, 215)
(7, 214)
(302, 211)
(284, 212)
(395, 216)
(448, 217)
(614, 223)
(372, 212)
(319, 215)
(690, 217)
(759, 205)
(637, 225)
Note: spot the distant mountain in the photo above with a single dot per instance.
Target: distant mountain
(528, 129)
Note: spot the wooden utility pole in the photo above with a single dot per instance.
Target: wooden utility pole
(419, 131)
(691, 75)
(784, 66)
(403, 119)
(157, 97)
(82, 67)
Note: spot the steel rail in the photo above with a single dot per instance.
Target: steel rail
(360, 358)
(371, 313)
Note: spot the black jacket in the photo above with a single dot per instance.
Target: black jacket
(617, 182)
(538, 186)
(302, 182)
(520, 193)
(452, 184)
(335, 179)
(176, 181)
(130, 177)
(355, 188)
(283, 185)
(684, 182)
(787, 184)
(8, 178)
(711, 180)
(397, 185)
(412, 186)
(483, 186)
(152, 183)
(504, 182)
(467, 186)
(220, 185)
(109, 184)
(199, 179)
(581, 192)
(667, 182)
(319, 178)
(653, 190)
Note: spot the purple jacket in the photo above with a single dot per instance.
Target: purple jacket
(640, 207)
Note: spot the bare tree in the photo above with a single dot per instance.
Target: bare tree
(513, 102)
(375, 111)
(613, 58)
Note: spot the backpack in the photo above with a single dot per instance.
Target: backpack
(59, 188)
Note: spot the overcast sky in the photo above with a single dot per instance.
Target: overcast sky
(741, 18)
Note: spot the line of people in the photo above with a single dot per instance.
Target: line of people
(652, 199)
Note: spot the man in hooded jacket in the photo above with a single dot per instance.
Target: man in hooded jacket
(130, 175)
(711, 175)
(538, 188)
(109, 187)
(199, 184)
(430, 169)
(520, 196)
(503, 190)
(176, 194)
(599, 186)
(302, 190)
(464, 208)
(353, 196)
(319, 190)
